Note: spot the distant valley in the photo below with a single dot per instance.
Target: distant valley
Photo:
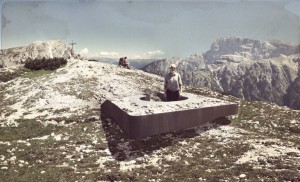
(135, 63)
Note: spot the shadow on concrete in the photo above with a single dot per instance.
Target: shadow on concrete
(163, 98)
(123, 148)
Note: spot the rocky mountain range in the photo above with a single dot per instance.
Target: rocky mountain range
(49, 49)
(249, 69)
(237, 49)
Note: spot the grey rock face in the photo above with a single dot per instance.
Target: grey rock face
(247, 48)
(49, 49)
(161, 67)
(265, 80)
(191, 63)
(248, 69)
(292, 97)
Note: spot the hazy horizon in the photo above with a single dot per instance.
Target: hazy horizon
(144, 29)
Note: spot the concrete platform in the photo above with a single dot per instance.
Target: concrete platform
(139, 117)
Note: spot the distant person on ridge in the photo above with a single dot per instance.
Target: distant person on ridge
(173, 84)
(123, 62)
(120, 61)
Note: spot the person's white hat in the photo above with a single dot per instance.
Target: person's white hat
(172, 66)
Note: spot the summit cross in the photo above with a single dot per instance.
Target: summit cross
(73, 43)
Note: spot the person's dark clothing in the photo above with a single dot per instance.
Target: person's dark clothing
(172, 95)
(123, 62)
(172, 86)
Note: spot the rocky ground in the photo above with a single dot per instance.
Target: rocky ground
(52, 130)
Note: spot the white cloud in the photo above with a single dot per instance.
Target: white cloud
(157, 54)
(153, 54)
(108, 54)
(135, 56)
(84, 52)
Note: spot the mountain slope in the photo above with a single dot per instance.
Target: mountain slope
(248, 48)
(161, 66)
(49, 49)
(265, 80)
(52, 130)
(249, 69)
(292, 97)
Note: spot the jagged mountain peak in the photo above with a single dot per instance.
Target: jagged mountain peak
(246, 68)
(248, 48)
(195, 56)
(244, 40)
(160, 67)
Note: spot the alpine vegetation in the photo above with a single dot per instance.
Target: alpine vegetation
(52, 129)
(46, 64)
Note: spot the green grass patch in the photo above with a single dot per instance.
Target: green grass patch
(38, 73)
(39, 173)
(26, 129)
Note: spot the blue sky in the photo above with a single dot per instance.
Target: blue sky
(147, 29)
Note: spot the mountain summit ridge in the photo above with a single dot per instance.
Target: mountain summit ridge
(246, 68)
(38, 49)
(248, 48)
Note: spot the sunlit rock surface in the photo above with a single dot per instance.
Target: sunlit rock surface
(49, 49)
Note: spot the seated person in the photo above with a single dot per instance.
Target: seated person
(123, 62)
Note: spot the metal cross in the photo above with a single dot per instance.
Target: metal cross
(73, 43)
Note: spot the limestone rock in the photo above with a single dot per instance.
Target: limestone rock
(246, 68)
(292, 97)
(264, 80)
(247, 48)
(161, 67)
(49, 49)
